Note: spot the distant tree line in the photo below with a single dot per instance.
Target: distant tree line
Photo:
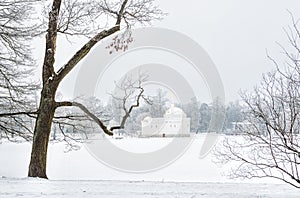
(200, 113)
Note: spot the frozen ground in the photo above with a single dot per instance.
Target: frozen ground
(30, 188)
(80, 165)
(78, 174)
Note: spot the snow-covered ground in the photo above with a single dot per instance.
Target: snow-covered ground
(79, 174)
(29, 188)
(81, 165)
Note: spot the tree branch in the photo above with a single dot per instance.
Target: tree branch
(29, 113)
(63, 71)
(86, 111)
(80, 54)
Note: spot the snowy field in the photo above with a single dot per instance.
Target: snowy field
(78, 174)
(114, 189)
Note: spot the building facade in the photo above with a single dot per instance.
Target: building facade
(174, 124)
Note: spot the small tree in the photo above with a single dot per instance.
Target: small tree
(270, 146)
(192, 111)
(159, 102)
(233, 114)
(205, 117)
(217, 115)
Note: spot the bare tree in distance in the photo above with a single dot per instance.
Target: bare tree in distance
(79, 18)
(129, 93)
(270, 144)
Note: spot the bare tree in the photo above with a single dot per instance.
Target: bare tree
(16, 65)
(270, 146)
(128, 95)
(74, 18)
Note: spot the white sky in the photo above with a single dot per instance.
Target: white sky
(235, 33)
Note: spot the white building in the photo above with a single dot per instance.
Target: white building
(174, 124)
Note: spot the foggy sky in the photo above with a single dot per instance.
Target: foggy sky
(235, 33)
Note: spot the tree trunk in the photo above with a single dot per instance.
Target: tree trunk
(38, 162)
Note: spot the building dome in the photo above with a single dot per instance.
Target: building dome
(147, 119)
(174, 112)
